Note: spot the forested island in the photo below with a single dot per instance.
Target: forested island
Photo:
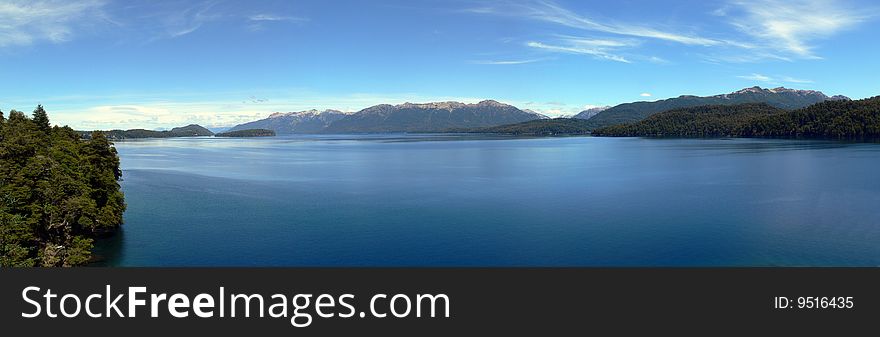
(192, 130)
(58, 192)
(247, 133)
(833, 119)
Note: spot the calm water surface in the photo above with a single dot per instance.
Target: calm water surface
(445, 200)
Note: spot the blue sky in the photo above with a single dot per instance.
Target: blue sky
(156, 64)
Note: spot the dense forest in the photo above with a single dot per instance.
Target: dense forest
(538, 127)
(58, 192)
(247, 133)
(701, 121)
(839, 119)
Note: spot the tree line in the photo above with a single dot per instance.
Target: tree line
(58, 192)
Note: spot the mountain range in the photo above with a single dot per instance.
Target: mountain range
(310, 121)
(482, 116)
(407, 117)
(589, 113)
(783, 98)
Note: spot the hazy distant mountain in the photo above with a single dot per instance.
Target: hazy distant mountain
(311, 121)
(219, 129)
(542, 116)
(589, 113)
(430, 117)
(778, 97)
(246, 133)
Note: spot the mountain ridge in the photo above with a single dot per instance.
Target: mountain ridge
(779, 97)
(404, 117)
(831, 119)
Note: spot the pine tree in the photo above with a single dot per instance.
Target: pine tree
(2, 119)
(41, 118)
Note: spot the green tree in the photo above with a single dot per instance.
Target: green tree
(57, 193)
(41, 119)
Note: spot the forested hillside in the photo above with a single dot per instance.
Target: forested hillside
(58, 192)
(538, 127)
(840, 119)
(702, 121)
(783, 98)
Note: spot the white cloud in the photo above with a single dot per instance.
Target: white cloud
(550, 12)
(779, 30)
(178, 22)
(272, 17)
(756, 77)
(645, 94)
(796, 80)
(608, 48)
(29, 21)
(583, 49)
(658, 60)
(774, 79)
(791, 26)
(259, 21)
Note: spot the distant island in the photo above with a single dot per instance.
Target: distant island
(192, 130)
(247, 133)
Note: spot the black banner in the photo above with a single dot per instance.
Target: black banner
(519, 301)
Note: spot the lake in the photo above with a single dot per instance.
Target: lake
(456, 200)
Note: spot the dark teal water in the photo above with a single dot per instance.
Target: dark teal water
(427, 200)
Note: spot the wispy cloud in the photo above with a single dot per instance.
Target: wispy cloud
(183, 22)
(23, 22)
(273, 17)
(773, 79)
(791, 27)
(258, 22)
(764, 29)
(600, 48)
(551, 12)
(756, 77)
(618, 37)
(658, 60)
(645, 94)
(796, 80)
(578, 50)
(505, 62)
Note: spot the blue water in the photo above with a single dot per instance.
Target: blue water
(445, 200)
